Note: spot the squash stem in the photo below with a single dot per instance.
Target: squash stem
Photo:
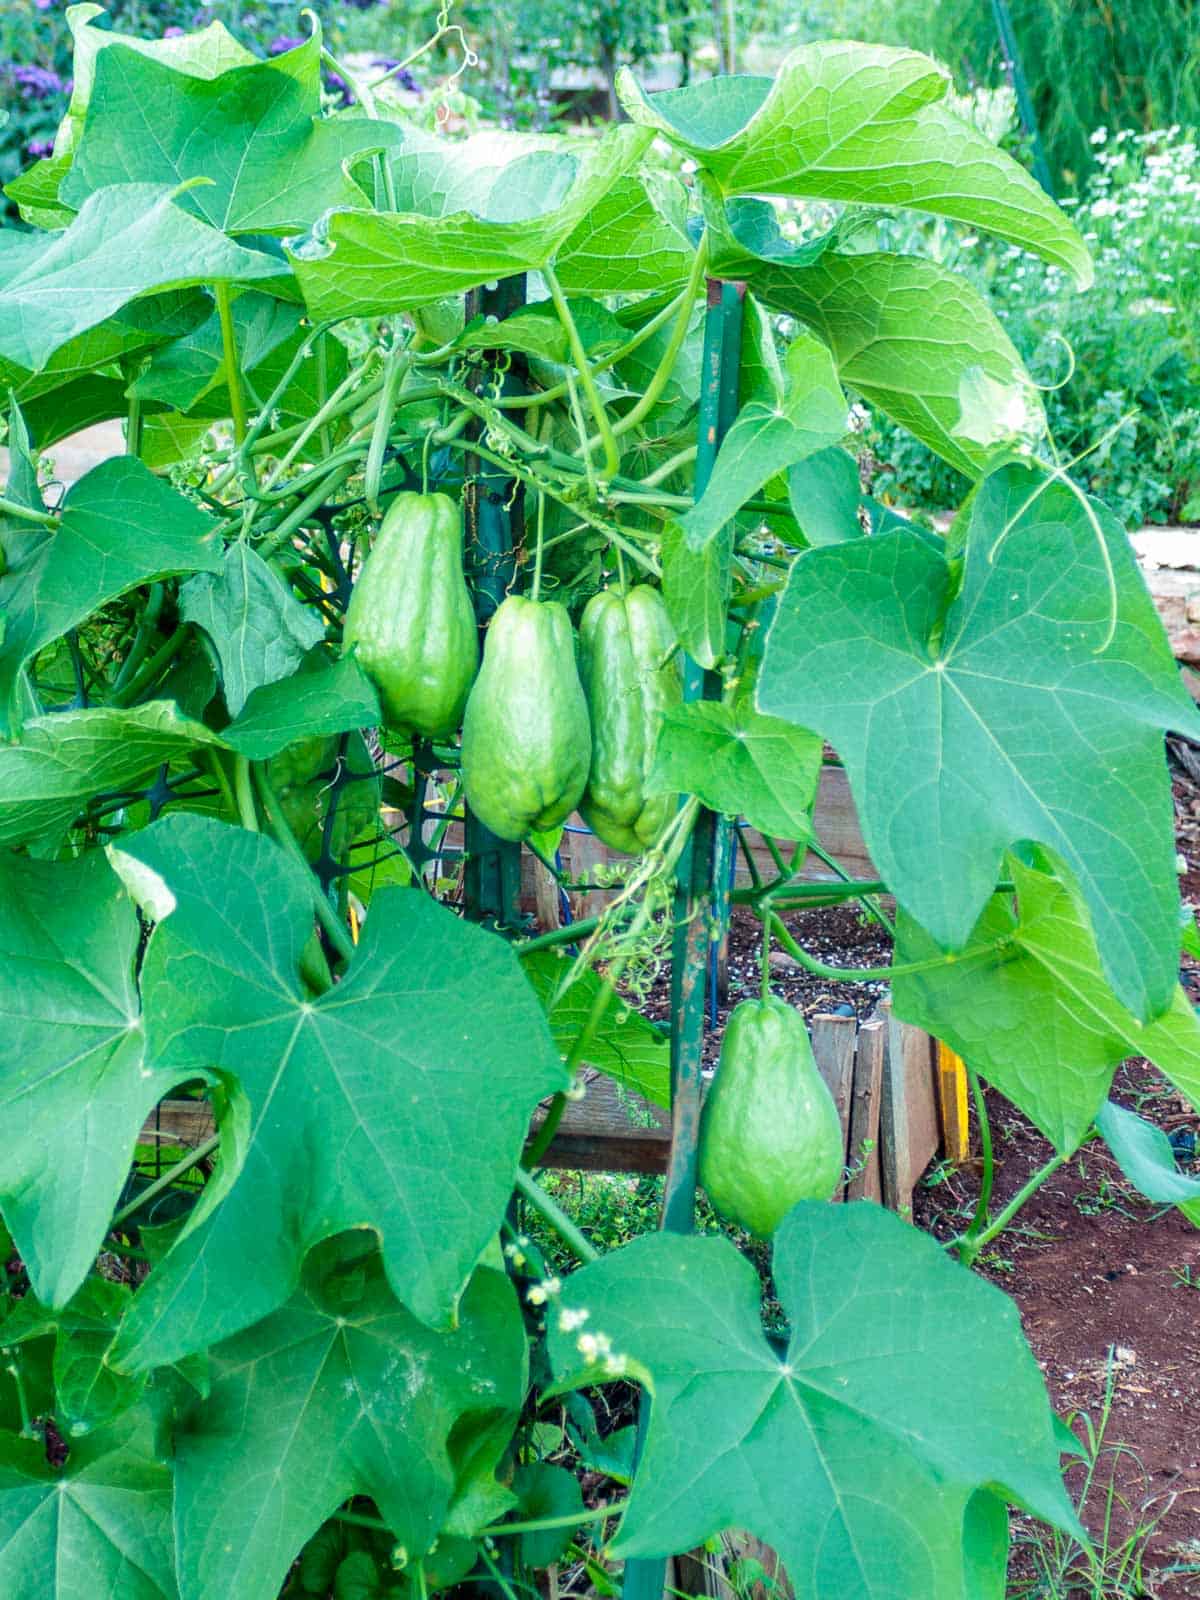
(233, 368)
(612, 456)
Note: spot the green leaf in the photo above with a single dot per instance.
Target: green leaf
(254, 131)
(696, 588)
(544, 1490)
(74, 1087)
(366, 1105)
(192, 367)
(1035, 1016)
(100, 1524)
(260, 630)
(1144, 1155)
(629, 1048)
(743, 233)
(906, 1387)
(808, 414)
(824, 493)
(87, 1392)
(67, 757)
(120, 526)
(633, 240)
(905, 333)
(345, 1393)
(494, 205)
(328, 697)
(740, 763)
(858, 123)
(135, 328)
(1005, 711)
(130, 240)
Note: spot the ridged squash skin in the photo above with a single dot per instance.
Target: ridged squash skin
(410, 620)
(770, 1134)
(526, 739)
(632, 674)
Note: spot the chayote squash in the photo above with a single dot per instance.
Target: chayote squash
(410, 620)
(770, 1134)
(302, 777)
(632, 674)
(526, 740)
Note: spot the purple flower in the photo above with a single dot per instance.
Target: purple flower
(335, 84)
(282, 43)
(43, 5)
(404, 78)
(40, 149)
(173, 32)
(35, 83)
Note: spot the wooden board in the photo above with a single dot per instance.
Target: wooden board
(865, 1182)
(881, 1076)
(909, 1126)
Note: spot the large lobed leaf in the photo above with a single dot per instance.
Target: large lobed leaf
(467, 214)
(120, 526)
(343, 1392)
(253, 131)
(1034, 1014)
(397, 1101)
(858, 123)
(866, 1452)
(1019, 707)
(74, 1083)
(99, 1525)
(905, 334)
(128, 240)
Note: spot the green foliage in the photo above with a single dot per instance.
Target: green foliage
(226, 880)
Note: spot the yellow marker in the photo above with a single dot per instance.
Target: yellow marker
(952, 1100)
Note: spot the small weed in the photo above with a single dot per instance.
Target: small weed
(1185, 1278)
(1054, 1566)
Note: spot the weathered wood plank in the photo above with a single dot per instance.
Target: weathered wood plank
(833, 1040)
(863, 1144)
(908, 1126)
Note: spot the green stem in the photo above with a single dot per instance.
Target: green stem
(987, 1177)
(233, 369)
(612, 456)
(536, 588)
(244, 790)
(133, 427)
(682, 458)
(567, 935)
(44, 519)
(150, 673)
(873, 974)
(573, 1519)
(315, 498)
(146, 629)
(553, 1213)
(170, 1176)
(662, 373)
(347, 390)
(647, 331)
(395, 366)
(339, 934)
(969, 1249)
(13, 1368)
(765, 973)
(871, 906)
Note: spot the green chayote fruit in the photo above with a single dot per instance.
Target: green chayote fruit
(632, 674)
(526, 740)
(410, 620)
(770, 1134)
(302, 777)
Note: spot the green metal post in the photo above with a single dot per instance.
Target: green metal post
(1016, 72)
(698, 898)
(494, 513)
